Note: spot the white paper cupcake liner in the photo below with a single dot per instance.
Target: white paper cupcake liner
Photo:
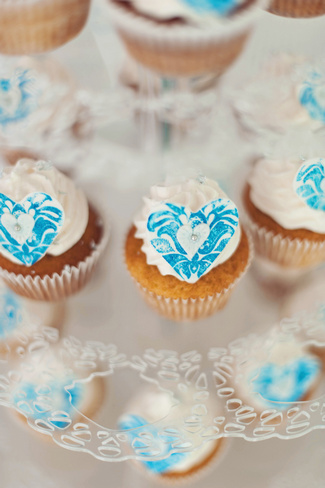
(169, 48)
(186, 310)
(57, 286)
(38, 28)
(286, 252)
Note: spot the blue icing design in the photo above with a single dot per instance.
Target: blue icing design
(312, 97)
(28, 228)
(44, 401)
(130, 422)
(221, 7)
(310, 184)
(17, 100)
(190, 242)
(288, 383)
(10, 313)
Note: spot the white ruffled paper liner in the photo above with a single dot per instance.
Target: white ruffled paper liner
(185, 50)
(200, 472)
(40, 26)
(58, 286)
(287, 253)
(190, 309)
(297, 8)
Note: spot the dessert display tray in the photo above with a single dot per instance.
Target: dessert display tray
(116, 173)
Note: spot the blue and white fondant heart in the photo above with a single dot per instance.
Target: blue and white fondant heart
(28, 228)
(280, 384)
(221, 7)
(160, 445)
(309, 184)
(312, 98)
(191, 242)
(17, 99)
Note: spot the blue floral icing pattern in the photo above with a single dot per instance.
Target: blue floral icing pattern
(288, 383)
(221, 7)
(17, 99)
(310, 99)
(28, 228)
(10, 313)
(129, 422)
(190, 242)
(310, 184)
(49, 402)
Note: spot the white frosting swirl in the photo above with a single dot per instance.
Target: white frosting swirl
(29, 176)
(192, 194)
(272, 192)
(170, 9)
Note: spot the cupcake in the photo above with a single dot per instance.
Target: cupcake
(286, 95)
(51, 238)
(297, 8)
(283, 374)
(186, 250)
(30, 27)
(39, 100)
(184, 38)
(140, 420)
(52, 395)
(285, 211)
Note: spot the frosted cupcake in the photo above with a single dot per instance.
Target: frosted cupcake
(50, 237)
(39, 100)
(145, 410)
(287, 374)
(52, 396)
(285, 206)
(184, 37)
(186, 250)
(30, 27)
(297, 8)
(286, 95)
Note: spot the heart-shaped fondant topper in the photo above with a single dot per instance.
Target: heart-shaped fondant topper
(28, 228)
(16, 99)
(191, 242)
(221, 7)
(309, 184)
(312, 97)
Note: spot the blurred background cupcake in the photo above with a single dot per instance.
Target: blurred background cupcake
(297, 8)
(30, 27)
(186, 250)
(184, 38)
(51, 237)
(141, 416)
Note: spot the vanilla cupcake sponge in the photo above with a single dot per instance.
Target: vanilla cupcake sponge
(35, 26)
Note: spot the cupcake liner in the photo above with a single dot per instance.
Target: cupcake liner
(57, 286)
(184, 50)
(186, 310)
(298, 8)
(286, 252)
(28, 27)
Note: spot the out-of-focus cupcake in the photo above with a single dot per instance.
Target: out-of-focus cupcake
(52, 395)
(297, 8)
(282, 374)
(51, 238)
(141, 416)
(30, 27)
(186, 250)
(285, 211)
(287, 94)
(184, 38)
(38, 101)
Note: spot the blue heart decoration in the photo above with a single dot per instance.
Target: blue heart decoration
(280, 384)
(312, 97)
(221, 7)
(161, 445)
(190, 242)
(16, 98)
(29, 227)
(309, 184)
